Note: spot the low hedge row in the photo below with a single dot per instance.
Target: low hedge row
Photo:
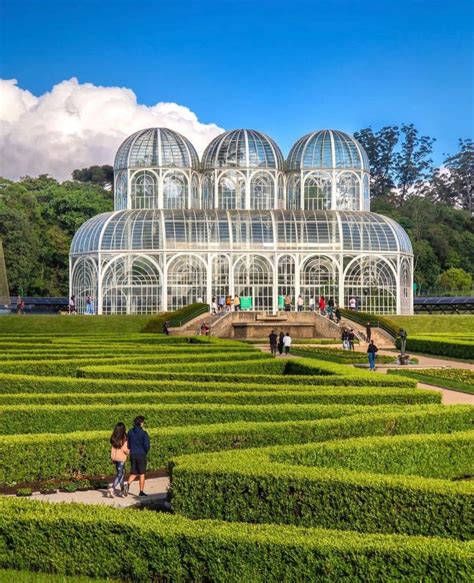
(222, 393)
(452, 348)
(99, 541)
(70, 366)
(23, 419)
(11, 383)
(339, 355)
(261, 485)
(350, 378)
(447, 378)
(87, 453)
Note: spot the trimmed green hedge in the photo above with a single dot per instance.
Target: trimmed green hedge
(222, 393)
(23, 419)
(10, 383)
(454, 378)
(267, 485)
(9, 575)
(87, 453)
(101, 541)
(452, 348)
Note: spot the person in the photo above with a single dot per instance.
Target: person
(330, 308)
(322, 305)
(214, 305)
(280, 343)
(351, 338)
(20, 306)
(368, 331)
(166, 328)
(118, 455)
(200, 300)
(204, 329)
(228, 303)
(273, 339)
(139, 446)
(352, 303)
(236, 302)
(337, 315)
(72, 304)
(287, 302)
(287, 342)
(371, 353)
(312, 304)
(300, 303)
(403, 340)
(345, 339)
(221, 303)
(89, 305)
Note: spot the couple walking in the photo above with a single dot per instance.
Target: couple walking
(135, 443)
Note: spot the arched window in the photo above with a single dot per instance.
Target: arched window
(286, 279)
(131, 285)
(231, 191)
(175, 191)
(121, 191)
(348, 192)
(84, 282)
(253, 278)
(293, 186)
(406, 287)
(144, 191)
(208, 191)
(187, 281)
(366, 189)
(371, 281)
(220, 277)
(262, 192)
(195, 198)
(317, 192)
(319, 277)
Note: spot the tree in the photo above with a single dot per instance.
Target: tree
(380, 148)
(412, 164)
(102, 175)
(455, 279)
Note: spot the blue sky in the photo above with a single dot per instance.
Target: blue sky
(282, 67)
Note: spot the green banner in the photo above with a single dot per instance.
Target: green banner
(281, 302)
(246, 303)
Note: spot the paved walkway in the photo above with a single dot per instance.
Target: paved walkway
(156, 488)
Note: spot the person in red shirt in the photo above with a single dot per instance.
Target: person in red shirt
(322, 305)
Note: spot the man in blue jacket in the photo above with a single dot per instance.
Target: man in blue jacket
(139, 446)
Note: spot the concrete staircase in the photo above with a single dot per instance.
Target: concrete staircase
(381, 338)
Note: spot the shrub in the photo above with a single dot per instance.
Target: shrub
(453, 378)
(96, 542)
(340, 356)
(334, 485)
(23, 492)
(53, 456)
(48, 488)
(439, 346)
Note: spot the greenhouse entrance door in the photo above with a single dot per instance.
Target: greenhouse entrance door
(262, 297)
(253, 277)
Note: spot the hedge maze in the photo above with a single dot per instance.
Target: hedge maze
(281, 469)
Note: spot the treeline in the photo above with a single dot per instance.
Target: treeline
(39, 216)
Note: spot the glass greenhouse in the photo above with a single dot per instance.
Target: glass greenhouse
(241, 221)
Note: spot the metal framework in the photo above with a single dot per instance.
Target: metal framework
(241, 222)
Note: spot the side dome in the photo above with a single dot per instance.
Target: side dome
(327, 149)
(156, 147)
(242, 149)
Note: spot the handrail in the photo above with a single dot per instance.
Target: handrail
(376, 322)
(200, 309)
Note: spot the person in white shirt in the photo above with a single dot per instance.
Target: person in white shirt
(287, 342)
(300, 303)
(312, 303)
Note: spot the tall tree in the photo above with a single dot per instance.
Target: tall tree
(412, 164)
(102, 175)
(380, 147)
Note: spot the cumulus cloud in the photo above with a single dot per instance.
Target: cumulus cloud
(78, 125)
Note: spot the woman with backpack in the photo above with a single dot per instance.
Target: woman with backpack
(118, 454)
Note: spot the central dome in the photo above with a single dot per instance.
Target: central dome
(242, 149)
(327, 149)
(156, 148)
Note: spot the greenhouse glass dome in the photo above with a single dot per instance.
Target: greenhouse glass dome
(241, 221)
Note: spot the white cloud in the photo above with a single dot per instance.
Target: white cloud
(78, 125)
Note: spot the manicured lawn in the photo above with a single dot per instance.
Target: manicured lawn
(425, 323)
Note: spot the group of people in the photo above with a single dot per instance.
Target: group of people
(225, 303)
(326, 307)
(136, 444)
(72, 307)
(279, 344)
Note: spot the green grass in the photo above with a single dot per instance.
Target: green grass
(425, 323)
